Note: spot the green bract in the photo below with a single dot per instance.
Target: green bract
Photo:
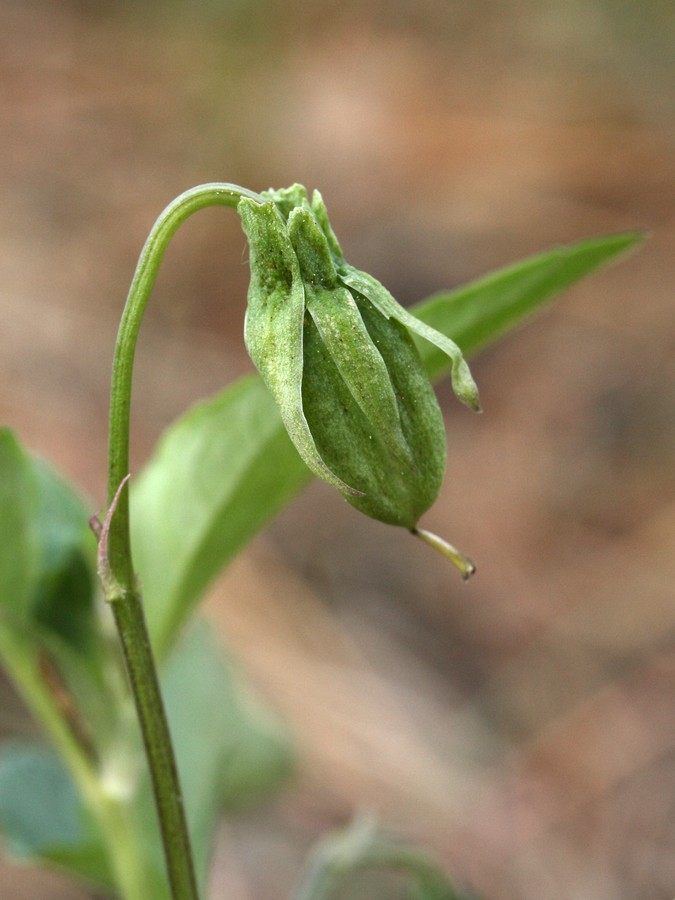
(335, 350)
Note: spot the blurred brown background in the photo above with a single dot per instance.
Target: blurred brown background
(522, 725)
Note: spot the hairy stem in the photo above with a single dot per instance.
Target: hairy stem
(120, 584)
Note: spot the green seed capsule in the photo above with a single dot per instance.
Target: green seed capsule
(399, 473)
(335, 350)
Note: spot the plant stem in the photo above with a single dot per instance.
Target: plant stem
(121, 840)
(140, 665)
(120, 584)
(151, 256)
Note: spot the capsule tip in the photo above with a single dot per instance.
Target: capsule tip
(464, 564)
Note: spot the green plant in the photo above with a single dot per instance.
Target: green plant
(344, 393)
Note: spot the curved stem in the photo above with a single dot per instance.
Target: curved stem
(163, 230)
(120, 583)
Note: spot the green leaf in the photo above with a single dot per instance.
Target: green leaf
(225, 736)
(19, 552)
(225, 469)
(62, 604)
(217, 477)
(480, 312)
(47, 552)
(66, 624)
(59, 655)
(230, 750)
(41, 816)
(44, 522)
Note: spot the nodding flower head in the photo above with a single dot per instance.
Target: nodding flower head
(336, 352)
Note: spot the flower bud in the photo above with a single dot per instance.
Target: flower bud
(336, 352)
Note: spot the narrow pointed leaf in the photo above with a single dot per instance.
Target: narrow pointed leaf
(478, 313)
